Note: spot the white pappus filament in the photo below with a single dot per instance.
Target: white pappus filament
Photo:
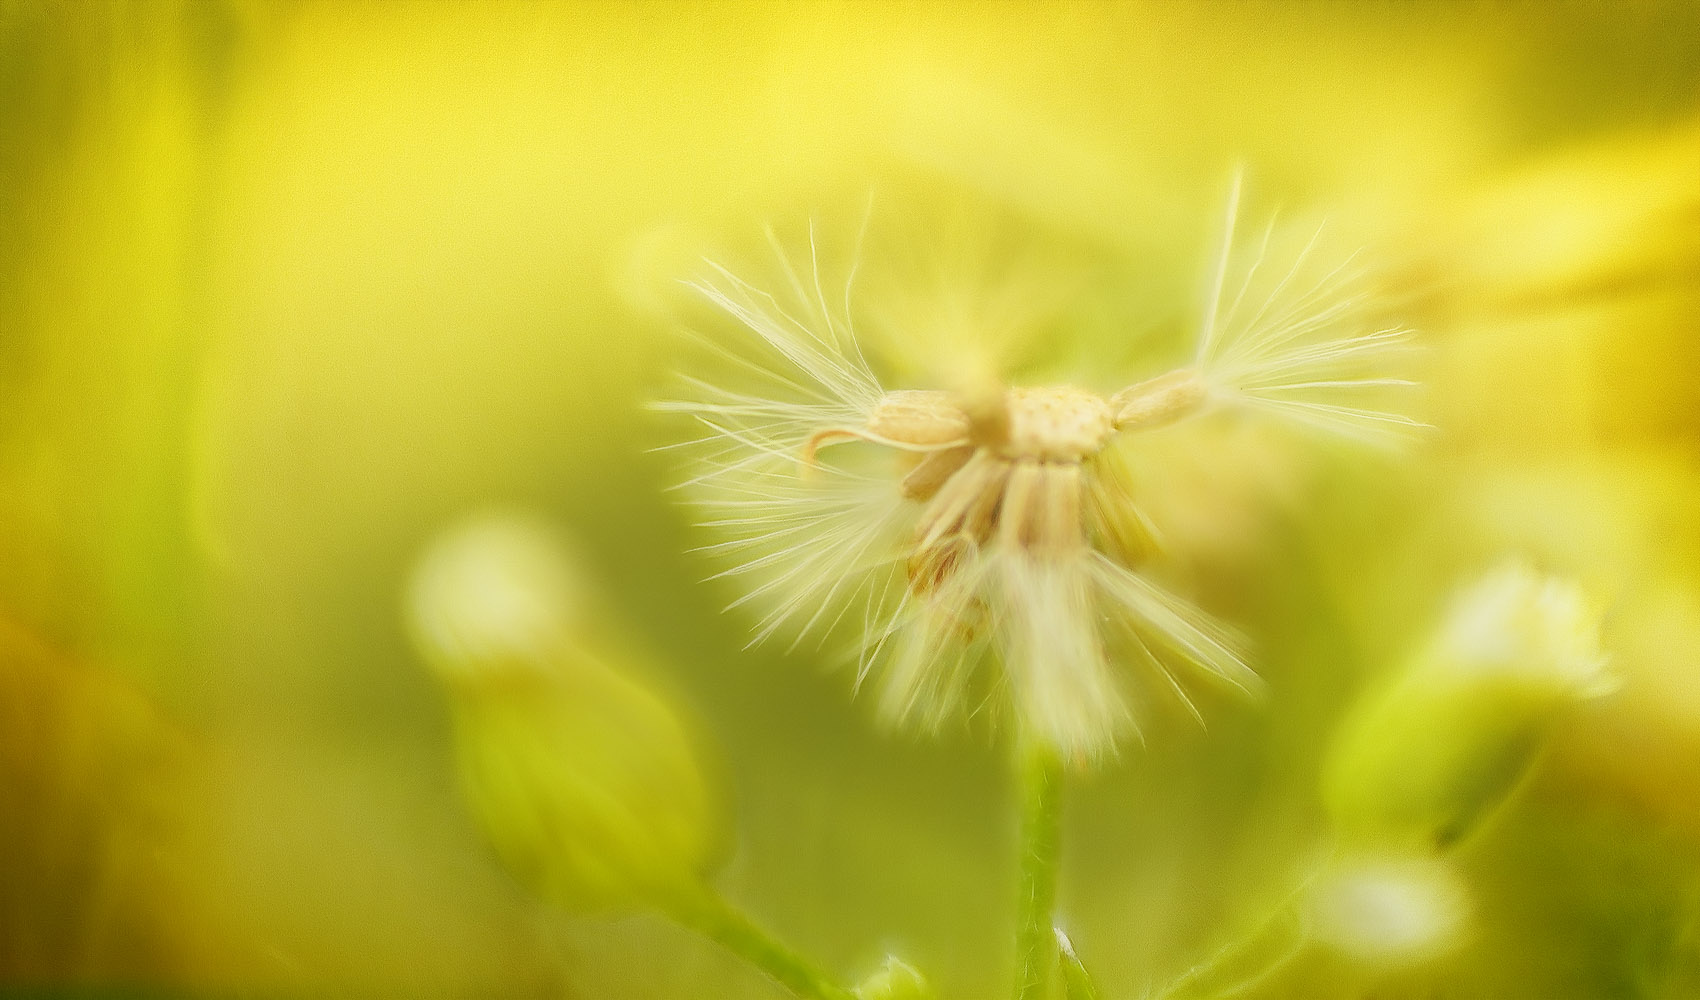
(984, 546)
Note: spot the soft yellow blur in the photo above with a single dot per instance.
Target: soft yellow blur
(286, 289)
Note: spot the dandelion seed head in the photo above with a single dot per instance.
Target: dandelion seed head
(981, 541)
(1061, 424)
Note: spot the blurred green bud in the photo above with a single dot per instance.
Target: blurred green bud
(898, 980)
(582, 778)
(1427, 757)
(1389, 910)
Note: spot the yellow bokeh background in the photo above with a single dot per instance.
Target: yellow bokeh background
(286, 288)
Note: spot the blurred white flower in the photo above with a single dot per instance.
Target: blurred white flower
(1519, 624)
(496, 592)
(989, 524)
(1390, 911)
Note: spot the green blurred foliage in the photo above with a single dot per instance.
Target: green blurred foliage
(287, 287)
(580, 776)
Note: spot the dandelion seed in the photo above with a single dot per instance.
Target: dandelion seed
(1304, 354)
(958, 530)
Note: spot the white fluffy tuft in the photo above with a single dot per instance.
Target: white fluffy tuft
(1302, 346)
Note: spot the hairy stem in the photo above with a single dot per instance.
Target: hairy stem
(731, 928)
(1039, 777)
(1077, 982)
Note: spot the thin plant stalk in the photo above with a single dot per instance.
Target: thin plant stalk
(1039, 780)
(1242, 964)
(719, 921)
(1077, 982)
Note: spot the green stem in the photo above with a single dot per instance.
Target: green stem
(1077, 982)
(1039, 775)
(726, 925)
(1242, 964)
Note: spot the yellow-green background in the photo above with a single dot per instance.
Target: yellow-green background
(284, 288)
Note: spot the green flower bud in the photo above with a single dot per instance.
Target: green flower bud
(582, 778)
(1389, 910)
(1427, 757)
(898, 980)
